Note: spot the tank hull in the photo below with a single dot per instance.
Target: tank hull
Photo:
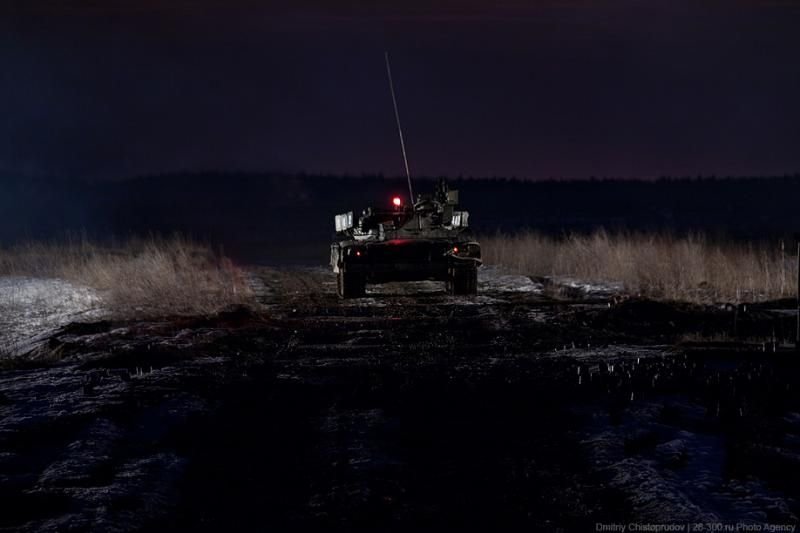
(404, 259)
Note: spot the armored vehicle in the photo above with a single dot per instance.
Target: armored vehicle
(429, 240)
(426, 240)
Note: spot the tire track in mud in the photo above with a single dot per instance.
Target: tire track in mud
(397, 411)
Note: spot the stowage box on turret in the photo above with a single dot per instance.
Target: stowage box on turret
(429, 240)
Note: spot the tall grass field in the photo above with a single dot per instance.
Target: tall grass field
(140, 277)
(691, 268)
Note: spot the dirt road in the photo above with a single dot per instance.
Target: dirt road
(406, 410)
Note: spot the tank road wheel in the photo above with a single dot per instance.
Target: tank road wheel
(351, 285)
(463, 281)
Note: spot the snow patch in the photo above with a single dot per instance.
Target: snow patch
(32, 308)
(596, 289)
(494, 279)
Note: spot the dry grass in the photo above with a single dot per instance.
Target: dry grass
(141, 277)
(691, 268)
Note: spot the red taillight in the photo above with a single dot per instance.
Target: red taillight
(358, 253)
(455, 249)
(396, 201)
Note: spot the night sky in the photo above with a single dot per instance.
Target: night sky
(550, 89)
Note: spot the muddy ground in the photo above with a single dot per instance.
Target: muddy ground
(529, 407)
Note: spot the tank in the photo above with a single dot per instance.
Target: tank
(429, 240)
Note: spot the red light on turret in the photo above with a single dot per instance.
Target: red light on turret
(396, 201)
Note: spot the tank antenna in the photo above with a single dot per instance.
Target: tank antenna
(399, 128)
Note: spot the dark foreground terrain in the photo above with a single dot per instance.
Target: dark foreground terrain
(525, 408)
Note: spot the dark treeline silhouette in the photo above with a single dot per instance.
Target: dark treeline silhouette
(289, 218)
